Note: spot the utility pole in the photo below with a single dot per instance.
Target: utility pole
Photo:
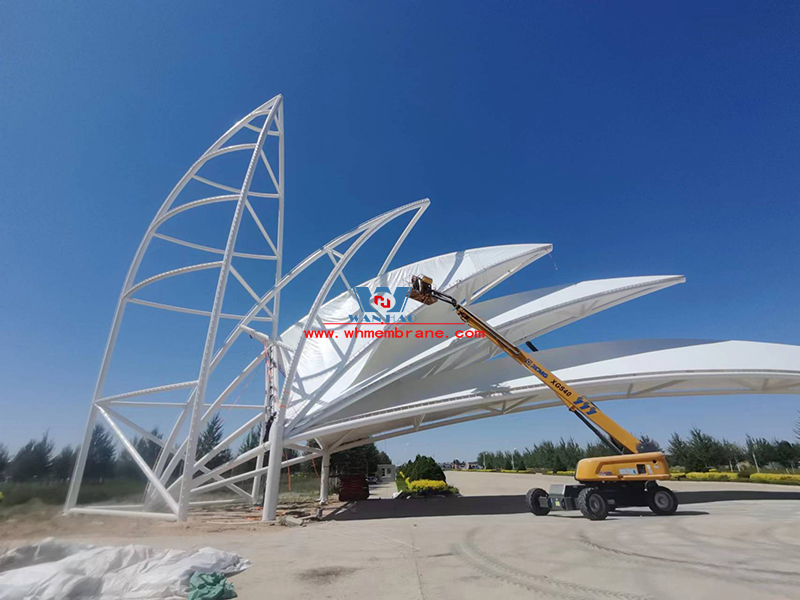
(513, 454)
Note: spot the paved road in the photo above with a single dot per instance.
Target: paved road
(728, 541)
(384, 489)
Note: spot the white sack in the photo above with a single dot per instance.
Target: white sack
(55, 569)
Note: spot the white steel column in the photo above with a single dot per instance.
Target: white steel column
(325, 477)
(271, 372)
(274, 470)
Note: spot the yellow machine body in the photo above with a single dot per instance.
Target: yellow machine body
(646, 466)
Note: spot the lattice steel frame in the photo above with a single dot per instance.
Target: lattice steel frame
(177, 497)
(103, 407)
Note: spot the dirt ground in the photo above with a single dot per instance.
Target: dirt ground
(728, 540)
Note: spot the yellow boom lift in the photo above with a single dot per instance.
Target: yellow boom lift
(629, 478)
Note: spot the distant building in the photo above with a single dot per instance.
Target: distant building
(387, 472)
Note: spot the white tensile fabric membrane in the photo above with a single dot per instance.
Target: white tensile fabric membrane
(519, 317)
(54, 569)
(464, 275)
(607, 370)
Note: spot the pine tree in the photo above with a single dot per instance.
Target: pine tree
(33, 461)
(3, 459)
(362, 459)
(210, 437)
(64, 463)
(678, 451)
(646, 439)
(704, 451)
(100, 459)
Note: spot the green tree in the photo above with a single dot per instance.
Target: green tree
(64, 463)
(100, 458)
(250, 440)
(761, 451)
(541, 456)
(595, 449)
(704, 452)
(507, 465)
(786, 454)
(33, 461)
(678, 450)
(4, 459)
(210, 437)
(482, 456)
(362, 459)
(423, 467)
(383, 458)
(732, 453)
(568, 454)
(645, 439)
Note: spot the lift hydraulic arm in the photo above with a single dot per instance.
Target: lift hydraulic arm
(619, 439)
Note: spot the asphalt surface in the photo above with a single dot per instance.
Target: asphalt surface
(727, 541)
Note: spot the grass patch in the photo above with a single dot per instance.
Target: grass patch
(402, 484)
(55, 493)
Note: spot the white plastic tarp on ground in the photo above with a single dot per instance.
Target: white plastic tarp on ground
(55, 569)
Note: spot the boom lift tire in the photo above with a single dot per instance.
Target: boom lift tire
(661, 500)
(532, 501)
(592, 504)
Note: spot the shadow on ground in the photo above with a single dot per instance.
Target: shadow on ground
(700, 497)
(515, 504)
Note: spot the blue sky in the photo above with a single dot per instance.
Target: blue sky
(638, 139)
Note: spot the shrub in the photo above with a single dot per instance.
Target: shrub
(423, 467)
(429, 486)
(775, 478)
(565, 472)
(712, 476)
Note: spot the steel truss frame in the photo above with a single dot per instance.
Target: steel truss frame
(178, 496)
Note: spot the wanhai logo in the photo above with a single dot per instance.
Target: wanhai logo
(382, 305)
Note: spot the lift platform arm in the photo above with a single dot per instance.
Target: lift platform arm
(617, 437)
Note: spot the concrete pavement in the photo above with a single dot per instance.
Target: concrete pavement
(726, 541)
